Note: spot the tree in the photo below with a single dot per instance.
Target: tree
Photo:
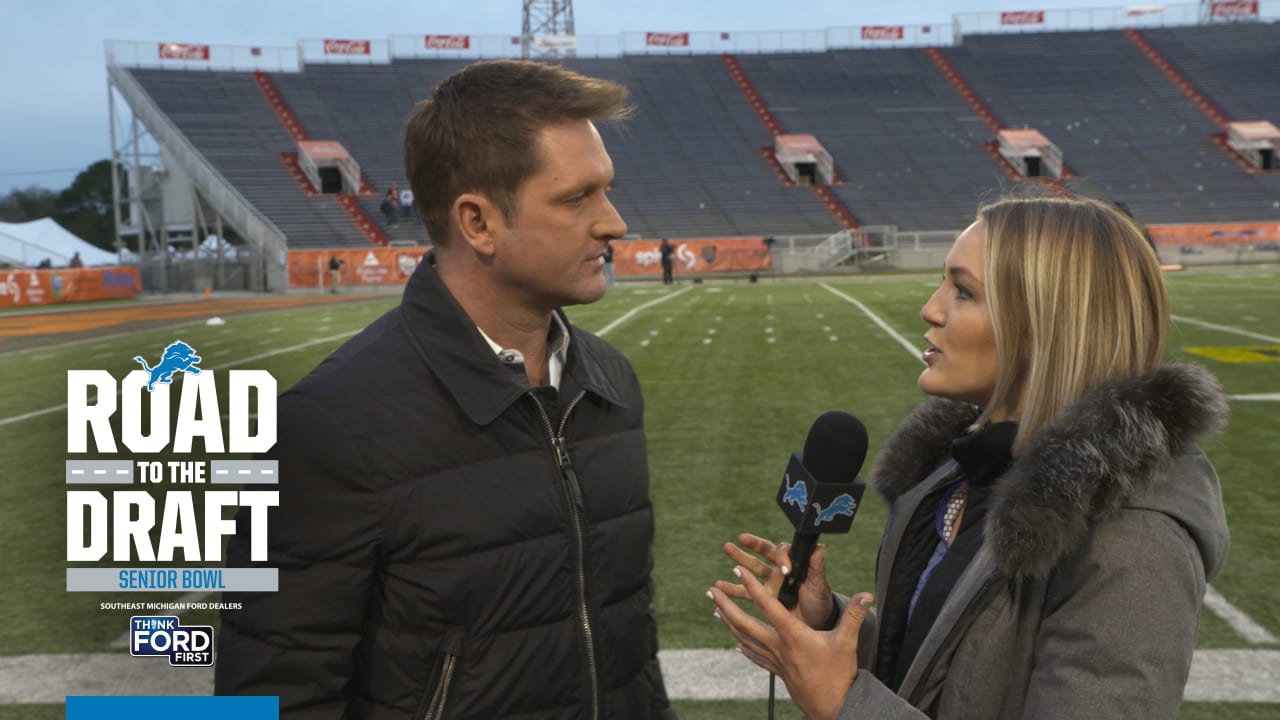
(24, 204)
(84, 208)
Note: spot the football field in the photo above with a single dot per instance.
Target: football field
(733, 375)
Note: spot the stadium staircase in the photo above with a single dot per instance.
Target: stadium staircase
(1200, 99)
(1125, 130)
(992, 147)
(829, 200)
(359, 216)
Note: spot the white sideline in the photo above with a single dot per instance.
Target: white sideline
(1244, 625)
(1216, 676)
(915, 352)
(1225, 328)
(631, 313)
(241, 361)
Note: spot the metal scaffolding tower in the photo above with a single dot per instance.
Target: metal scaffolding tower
(548, 29)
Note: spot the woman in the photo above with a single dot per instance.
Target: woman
(1052, 524)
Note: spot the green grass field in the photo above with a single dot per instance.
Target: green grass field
(733, 374)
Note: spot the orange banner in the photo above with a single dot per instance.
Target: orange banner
(706, 255)
(1229, 234)
(372, 266)
(23, 288)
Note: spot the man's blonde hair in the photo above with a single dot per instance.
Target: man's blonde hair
(1077, 298)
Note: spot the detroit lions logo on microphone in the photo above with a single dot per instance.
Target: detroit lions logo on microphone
(796, 494)
(843, 505)
(178, 357)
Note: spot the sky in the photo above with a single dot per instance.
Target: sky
(53, 82)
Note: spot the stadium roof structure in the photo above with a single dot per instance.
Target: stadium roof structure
(30, 242)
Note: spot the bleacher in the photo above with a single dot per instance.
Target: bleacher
(1235, 65)
(908, 147)
(1121, 125)
(225, 116)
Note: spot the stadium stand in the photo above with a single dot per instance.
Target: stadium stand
(1121, 125)
(907, 146)
(227, 119)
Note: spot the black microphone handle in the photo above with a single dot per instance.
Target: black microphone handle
(802, 545)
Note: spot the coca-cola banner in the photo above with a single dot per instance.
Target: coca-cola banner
(1235, 8)
(666, 39)
(183, 51)
(881, 32)
(346, 47)
(1022, 17)
(448, 42)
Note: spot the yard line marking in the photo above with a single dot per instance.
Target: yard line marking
(915, 352)
(1225, 328)
(632, 312)
(1244, 625)
(693, 674)
(1256, 396)
(242, 361)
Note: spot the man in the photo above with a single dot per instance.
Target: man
(335, 273)
(667, 252)
(464, 527)
(406, 202)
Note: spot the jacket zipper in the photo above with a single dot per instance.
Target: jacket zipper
(435, 709)
(573, 492)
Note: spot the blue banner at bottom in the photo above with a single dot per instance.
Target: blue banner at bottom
(172, 708)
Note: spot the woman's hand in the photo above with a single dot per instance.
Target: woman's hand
(815, 602)
(818, 667)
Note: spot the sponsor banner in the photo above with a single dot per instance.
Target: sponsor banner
(323, 149)
(21, 288)
(1022, 17)
(448, 42)
(664, 39)
(881, 32)
(365, 266)
(706, 255)
(1218, 234)
(183, 51)
(1235, 8)
(345, 47)
(125, 707)
(555, 42)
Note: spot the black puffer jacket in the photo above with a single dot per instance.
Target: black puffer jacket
(435, 548)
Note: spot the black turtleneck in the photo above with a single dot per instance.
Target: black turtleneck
(981, 456)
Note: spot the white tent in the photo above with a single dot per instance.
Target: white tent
(30, 242)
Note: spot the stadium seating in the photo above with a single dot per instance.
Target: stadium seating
(907, 146)
(1121, 125)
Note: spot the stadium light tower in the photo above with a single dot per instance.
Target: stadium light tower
(548, 29)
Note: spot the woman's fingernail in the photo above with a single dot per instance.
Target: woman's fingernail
(710, 596)
(866, 601)
(737, 573)
(786, 570)
(716, 615)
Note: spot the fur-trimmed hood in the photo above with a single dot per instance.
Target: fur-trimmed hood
(1114, 448)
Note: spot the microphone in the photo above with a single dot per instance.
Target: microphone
(821, 490)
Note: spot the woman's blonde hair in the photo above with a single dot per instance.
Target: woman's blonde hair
(1076, 297)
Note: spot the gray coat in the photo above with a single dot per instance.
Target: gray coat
(1085, 597)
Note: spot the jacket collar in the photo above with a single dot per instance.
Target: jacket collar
(1103, 452)
(457, 353)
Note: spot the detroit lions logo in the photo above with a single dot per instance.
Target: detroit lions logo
(796, 494)
(843, 505)
(178, 357)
